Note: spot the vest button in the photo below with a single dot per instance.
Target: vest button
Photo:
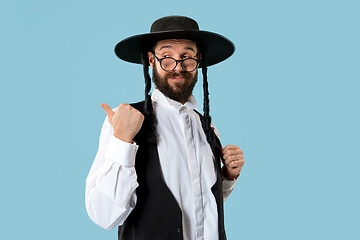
(179, 230)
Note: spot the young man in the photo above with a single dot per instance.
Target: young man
(157, 173)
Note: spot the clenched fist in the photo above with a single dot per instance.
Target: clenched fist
(126, 122)
(233, 161)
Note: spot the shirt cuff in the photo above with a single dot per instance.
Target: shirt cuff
(228, 184)
(121, 152)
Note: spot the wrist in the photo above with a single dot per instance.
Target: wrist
(124, 139)
(227, 175)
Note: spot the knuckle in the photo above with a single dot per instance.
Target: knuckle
(122, 106)
(137, 112)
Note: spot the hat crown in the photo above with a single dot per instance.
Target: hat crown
(174, 23)
(213, 46)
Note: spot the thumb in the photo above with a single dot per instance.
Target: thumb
(108, 111)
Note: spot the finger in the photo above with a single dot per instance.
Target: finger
(236, 164)
(232, 152)
(230, 147)
(229, 159)
(109, 112)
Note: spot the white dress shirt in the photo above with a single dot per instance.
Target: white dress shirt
(188, 171)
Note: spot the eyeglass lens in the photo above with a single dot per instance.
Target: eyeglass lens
(187, 64)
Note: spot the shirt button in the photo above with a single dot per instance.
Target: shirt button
(179, 230)
(182, 109)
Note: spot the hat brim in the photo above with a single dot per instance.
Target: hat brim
(216, 47)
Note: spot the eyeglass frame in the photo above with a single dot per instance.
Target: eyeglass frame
(177, 61)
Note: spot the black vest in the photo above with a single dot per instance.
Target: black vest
(157, 216)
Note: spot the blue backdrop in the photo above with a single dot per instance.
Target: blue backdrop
(289, 97)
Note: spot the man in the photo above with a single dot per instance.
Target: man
(157, 173)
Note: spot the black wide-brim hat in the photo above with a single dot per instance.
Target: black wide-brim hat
(216, 47)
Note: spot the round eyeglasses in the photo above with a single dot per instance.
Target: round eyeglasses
(168, 63)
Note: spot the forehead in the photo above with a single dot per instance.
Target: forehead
(176, 44)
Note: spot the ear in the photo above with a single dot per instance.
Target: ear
(151, 59)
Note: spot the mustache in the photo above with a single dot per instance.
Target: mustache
(183, 74)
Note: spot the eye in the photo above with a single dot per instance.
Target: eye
(187, 56)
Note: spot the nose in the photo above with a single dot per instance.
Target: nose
(178, 67)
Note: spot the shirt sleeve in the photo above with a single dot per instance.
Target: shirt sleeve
(112, 181)
(228, 186)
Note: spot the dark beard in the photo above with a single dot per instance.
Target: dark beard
(183, 89)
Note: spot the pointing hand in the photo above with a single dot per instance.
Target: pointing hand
(126, 121)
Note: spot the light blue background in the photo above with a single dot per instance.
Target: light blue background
(289, 97)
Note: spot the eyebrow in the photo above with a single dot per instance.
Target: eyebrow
(168, 46)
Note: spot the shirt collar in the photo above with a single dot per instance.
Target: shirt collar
(160, 99)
